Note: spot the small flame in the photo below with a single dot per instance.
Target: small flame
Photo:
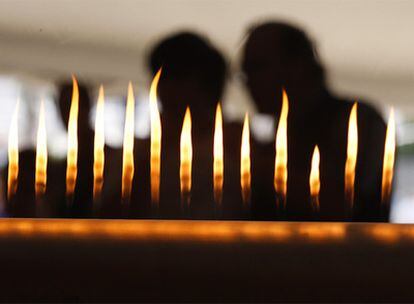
(245, 177)
(389, 156)
(155, 162)
(314, 181)
(13, 151)
(351, 159)
(99, 146)
(218, 163)
(72, 156)
(41, 154)
(281, 173)
(186, 158)
(128, 153)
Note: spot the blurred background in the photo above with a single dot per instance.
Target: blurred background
(367, 48)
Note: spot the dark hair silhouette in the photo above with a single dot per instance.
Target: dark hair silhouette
(277, 55)
(189, 56)
(293, 44)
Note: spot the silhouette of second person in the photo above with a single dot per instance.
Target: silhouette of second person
(278, 55)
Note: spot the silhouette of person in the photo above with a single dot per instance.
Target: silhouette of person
(82, 204)
(193, 74)
(278, 55)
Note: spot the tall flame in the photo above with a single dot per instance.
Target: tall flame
(351, 159)
(72, 153)
(13, 151)
(245, 177)
(281, 173)
(186, 158)
(155, 162)
(218, 162)
(99, 146)
(128, 152)
(41, 154)
(314, 181)
(389, 157)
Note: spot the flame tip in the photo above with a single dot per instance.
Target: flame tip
(314, 179)
(245, 174)
(218, 162)
(155, 140)
(13, 153)
(187, 112)
(186, 156)
(389, 159)
(352, 155)
(99, 146)
(41, 153)
(128, 145)
(281, 155)
(130, 87)
(246, 117)
(72, 148)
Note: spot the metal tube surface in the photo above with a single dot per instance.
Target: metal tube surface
(168, 260)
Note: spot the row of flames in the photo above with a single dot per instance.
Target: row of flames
(186, 153)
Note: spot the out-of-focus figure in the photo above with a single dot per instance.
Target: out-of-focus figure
(278, 55)
(82, 204)
(193, 74)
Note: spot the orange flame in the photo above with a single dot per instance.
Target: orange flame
(352, 152)
(41, 154)
(218, 163)
(155, 163)
(389, 156)
(99, 146)
(281, 173)
(13, 151)
(314, 181)
(72, 156)
(128, 152)
(245, 177)
(186, 158)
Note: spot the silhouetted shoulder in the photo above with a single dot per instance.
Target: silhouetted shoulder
(367, 113)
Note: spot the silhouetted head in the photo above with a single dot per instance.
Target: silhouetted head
(65, 99)
(280, 55)
(193, 73)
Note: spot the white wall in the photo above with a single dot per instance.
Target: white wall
(367, 44)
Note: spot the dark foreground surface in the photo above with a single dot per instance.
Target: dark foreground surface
(145, 260)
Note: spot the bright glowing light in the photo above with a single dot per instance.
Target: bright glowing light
(128, 152)
(72, 156)
(99, 146)
(281, 172)
(218, 163)
(186, 158)
(41, 154)
(314, 181)
(13, 153)
(245, 177)
(155, 162)
(351, 159)
(389, 158)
